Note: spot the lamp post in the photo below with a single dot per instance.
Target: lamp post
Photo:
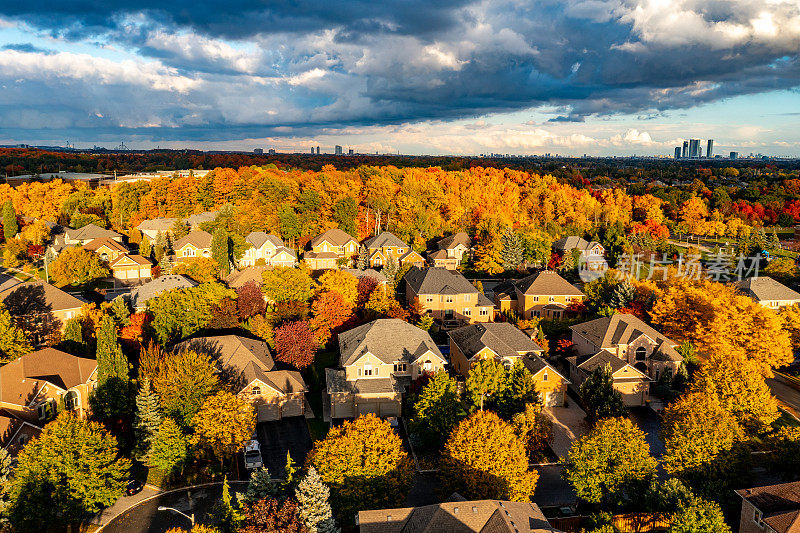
(188, 517)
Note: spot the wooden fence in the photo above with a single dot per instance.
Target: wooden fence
(626, 523)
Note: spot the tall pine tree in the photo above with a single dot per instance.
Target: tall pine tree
(391, 268)
(219, 249)
(363, 258)
(314, 507)
(148, 420)
(513, 252)
(10, 226)
(112, 397)
(72, 338)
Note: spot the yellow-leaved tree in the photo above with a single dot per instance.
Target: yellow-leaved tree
(223, 425)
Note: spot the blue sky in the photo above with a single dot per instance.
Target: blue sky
(598, 77)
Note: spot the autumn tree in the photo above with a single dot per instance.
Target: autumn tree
(169, 450)
(344, 214)
(330, 311)
(224, 424)
(486, 377)
(698, 516)
(364, 465)
(10, 225)
(534, 427)
(611, 463)
(489, 253)
(295, 344)
(436, 410)
(342, 282)
(249, 300)
(600, 397)
(785, 458)
(183, 383)
(76, 266)
(485, 459)
(313, 503)
(71, 471)
(37, 233)
(179, 313)
(517, 390)
(13, 340)
(200, 269)
(282, 284)
(272, 515)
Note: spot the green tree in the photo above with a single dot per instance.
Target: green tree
(313, 504)
(76, 266)
(5, 484)
(362, 262)
(289, 225)
(437, 410)
(72, 338)
(179, 313)
(179, 230)
(228, 517)
(145, 247)
(512, 254)
(485, 379)
(13, 341)
(517, 390)
(220, 250)
(121, 311)
(364, 465)
(259, 487)
(223, 425)
(699, 516)
(485, 459)
(785, 459)
(10, 225)
(147, 420)
(183, 383)
(425, 322)
(610, 463)
(111, 397)
(390, 269)
(71, 471)
(170, 450)
(344, 214)
(602, 400)
(161, 247)
(284, 284)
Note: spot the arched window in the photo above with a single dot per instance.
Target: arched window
(641, 353)
(256, 390)
(71, 400)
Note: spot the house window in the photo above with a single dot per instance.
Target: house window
(71, 400)
(189, 252)
(484, 312)
(757, 517)
(70, 314)
(507, 364)
(429, 299)
(367, 370)
(256, 391)
(359, 371)
(448, 299)
(400, 367)
(44, 410)
(427, 366)
(545, 377)
(551, 299)
(467, 311)
(466, 297)
(535, 298)
(641, 353)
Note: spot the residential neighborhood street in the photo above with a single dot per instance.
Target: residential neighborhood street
(787, 396)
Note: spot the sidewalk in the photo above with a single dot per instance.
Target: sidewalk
(569, 423)
(123, 504)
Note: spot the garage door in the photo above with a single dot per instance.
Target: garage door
(268, 413)
(367, 408)
(554, 399)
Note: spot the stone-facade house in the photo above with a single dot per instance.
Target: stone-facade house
(506, 344)
(267, 248)
(770, 509)
(195, 244)
(768, 292)
(248, 365)
(447, 296)
(592, 254)
(380, 247)
(377, 362)
(327, 250)
(544, 294)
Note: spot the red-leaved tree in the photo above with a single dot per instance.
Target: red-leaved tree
(250, 300)
(366, 286)
(270, 515)
(330, 312)
(295, 343)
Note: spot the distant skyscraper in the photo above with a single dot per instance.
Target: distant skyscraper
(271, 151)
(694, 148)
(677, 152)
(685, 152)
(312, 150)
(337, 150)
(710, 148)
(350, 151)
(258, 151)
(734, 155)
(317, 150)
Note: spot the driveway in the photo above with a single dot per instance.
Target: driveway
(551, 489)
(649, 422)
(276, 438)
(569, 423)
(123, 504)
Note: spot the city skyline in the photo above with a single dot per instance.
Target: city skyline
(463, 78)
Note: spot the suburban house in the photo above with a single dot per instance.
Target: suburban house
(249, 367)
(195, 244)
(770, 509)
(140, 295)
(163, 225)
(544, 294)
(377, 362)
(16, 432)
(89, 232)
(326, 250)
(507, 344)
(239, 278)
(131, 268)
(447, 295)
(268, 248)
(456, 245)
(768, 292)
(632, 384)
(477, 516)
(39, 308)
(31, 386)
(440, 259)
(106, 249)
(367, 273)
(380, 247)
(592, 254)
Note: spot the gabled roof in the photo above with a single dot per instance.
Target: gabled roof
(283, 381)
(335, 236)
(289, 251)
(765, 288)
(569, 243)
(151, 289)
(622, 328)
(438, 280)
(384, 239)
(231, 351)
(137, 259)
(96, 244)
(258, 238)
(439, 254)
(602, 358)
(21, 379)
(454, 240)
(336, 381)
(32, 297)
(199, 238)
(90, 232)
(410, 254)
(536, 364)
(199, 218)
(779, 505)
(366, 273)
(162, 224)
(500, 337)
(547, 283)
(477, 516)
(388, 339)
(238, 278)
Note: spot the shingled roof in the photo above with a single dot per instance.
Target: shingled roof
(231, 351)
(384, 239)
(96, 244)
(151, 289)
(36, 297)
(765, 288)
(337, 382)
(622, 328)
(21, 379)
(258, 238)
(570, 243)
(198, 238)
(388, 339)
(238, 278)
(90, 232)
(547, 283)
(779, 505)
(285, 381)
(438, 280)
(454, 240)
(501, 337)
(335, 236)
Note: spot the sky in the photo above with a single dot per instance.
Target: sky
(570, 77)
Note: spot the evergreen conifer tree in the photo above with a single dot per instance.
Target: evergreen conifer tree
(219, 249)
(111, 362)
(72, 338)
(513, 252)
(148, 420)
(121, 311)
(390, 269)
(314, 507)
(10, 225)
(363, 258)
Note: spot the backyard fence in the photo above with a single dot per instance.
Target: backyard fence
(626, 523)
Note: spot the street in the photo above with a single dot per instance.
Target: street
(787, 396)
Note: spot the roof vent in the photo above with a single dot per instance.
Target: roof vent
(389, 518)
(455, 510)
(474, 509)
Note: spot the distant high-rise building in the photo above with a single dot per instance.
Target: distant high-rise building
(685, 152)
(710, 148)
(317, 150)
(271, 151)
(734, 155)
(258, 151)
(350, 151)
(677, 152)
(694, 148)
(337, 150)
(312, 150)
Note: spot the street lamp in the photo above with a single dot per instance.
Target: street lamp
(188, 517)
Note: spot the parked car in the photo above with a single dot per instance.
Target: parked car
(252, 455)
(134, 486)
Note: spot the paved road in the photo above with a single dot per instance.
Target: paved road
(551, 489)
(569, 423)
(123, 504)
(788, 397)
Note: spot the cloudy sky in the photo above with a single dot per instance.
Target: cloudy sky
(600, 77)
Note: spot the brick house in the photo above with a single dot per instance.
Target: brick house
(544, 294)
(195, 244)
(328, 249)
(770, 509)
(377, 362)
(380, 247)
(447, 295)
(507, 344)
(39, 308)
